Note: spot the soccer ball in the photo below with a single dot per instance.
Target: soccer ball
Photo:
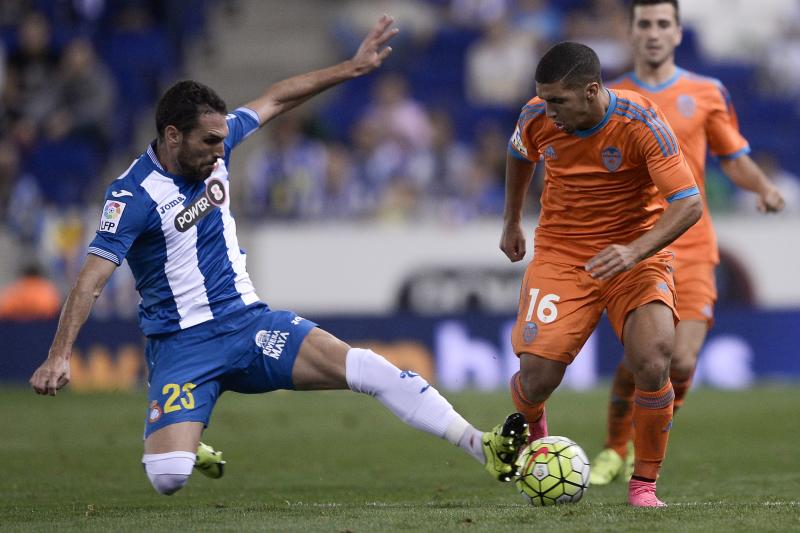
(552, 470)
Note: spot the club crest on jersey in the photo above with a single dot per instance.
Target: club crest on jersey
(214, 196)
(686, 105)
(550, 153)
(612, 158)
(112, 213)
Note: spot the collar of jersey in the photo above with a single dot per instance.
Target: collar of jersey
(153, 157)
(597, 127)
(661, 86)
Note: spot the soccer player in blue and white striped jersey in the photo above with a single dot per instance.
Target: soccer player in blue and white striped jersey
(207, 330)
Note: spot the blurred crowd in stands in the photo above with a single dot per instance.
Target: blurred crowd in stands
(423, 140)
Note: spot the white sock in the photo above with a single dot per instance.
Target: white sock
(471, 441)
(411, 398)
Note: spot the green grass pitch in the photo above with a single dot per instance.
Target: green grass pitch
(340, 462)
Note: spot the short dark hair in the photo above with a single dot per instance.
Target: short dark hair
(183, 103)
(674, 3)
(573, 63)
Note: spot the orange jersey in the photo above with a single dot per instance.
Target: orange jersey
(603, 185)
(702, 116)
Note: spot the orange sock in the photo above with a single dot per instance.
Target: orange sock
(681, 385)
(531, 411)
(620, 412)
(652, 420)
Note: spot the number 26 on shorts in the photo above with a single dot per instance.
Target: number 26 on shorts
(546, 311)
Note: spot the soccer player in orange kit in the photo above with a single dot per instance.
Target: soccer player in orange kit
(702, 116)
(610, 158)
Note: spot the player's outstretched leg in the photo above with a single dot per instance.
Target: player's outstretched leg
(501, 444)
(325, 362)
(209, 461)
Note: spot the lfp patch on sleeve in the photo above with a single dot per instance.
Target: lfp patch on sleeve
(516, 140)
(112, 213)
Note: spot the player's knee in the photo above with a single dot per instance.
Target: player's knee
(539, 377)
(167, 483)
(681, 369)
(168, 472)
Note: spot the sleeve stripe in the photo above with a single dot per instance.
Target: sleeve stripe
(665, 129)
(662, 128)
(526, 117)
(250, 112)
(104, 254)
(652, 120)
(692, 191)
(513, 151)
(735, 155)
(665, 150)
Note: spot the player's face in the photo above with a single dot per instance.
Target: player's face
(655, 33)
(200, 148)
(568, 107)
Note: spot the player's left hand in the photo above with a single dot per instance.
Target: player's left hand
(770, 201)
(611, 261)
(371, 53)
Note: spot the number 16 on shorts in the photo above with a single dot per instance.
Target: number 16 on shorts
(546, 310)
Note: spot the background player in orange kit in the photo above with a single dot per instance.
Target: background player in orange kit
(609, 158)
(702, 117)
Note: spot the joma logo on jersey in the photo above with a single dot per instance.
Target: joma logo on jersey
(172, 203)
(271, 342)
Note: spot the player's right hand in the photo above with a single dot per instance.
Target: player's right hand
(372, 52)
(512, 242)
(771, 201)
(52, 375)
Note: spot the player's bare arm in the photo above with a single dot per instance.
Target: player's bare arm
(518, 177)
(287, 94)
(53, 374)
(744, 172)
(679, 216)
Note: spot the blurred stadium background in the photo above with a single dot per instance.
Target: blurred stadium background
(374, 209)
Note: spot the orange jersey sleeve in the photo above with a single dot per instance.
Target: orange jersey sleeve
(660, 150)
(722, 125)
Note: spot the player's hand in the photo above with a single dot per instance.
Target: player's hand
(770, 201)
(371, 53)
(611, 261)
(51, 376)
(512, 242)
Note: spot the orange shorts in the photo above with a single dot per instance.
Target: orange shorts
(697, 290)
(560, 305)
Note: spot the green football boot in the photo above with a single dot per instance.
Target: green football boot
(606, 467)
(628, 472)
(500, 446)
(209, 461)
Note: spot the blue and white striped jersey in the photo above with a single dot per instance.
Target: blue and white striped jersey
(179, 238)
